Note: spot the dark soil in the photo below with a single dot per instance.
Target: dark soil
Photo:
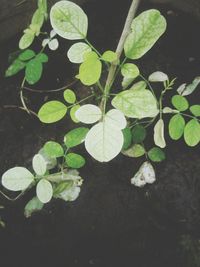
(112, 223)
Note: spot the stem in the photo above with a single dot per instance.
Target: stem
(189, 116)
(93, 48)
(12, 199)
(119, 50)
(150, 87)
(22, 108)
(22, 97)
(50, 91)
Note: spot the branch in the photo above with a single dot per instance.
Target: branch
(120, 46)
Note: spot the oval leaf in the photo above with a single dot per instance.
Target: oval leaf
(195, 110)
(158, 76)
(176, 126)
(104, 141)
(180, 102)
(53, 149)
(116, 118)
(156, 154)
(69, 20)
(192, 133)
(74, 160)
(17, 179)
(77, 51)
(39, 165)
(69, 96)
(33, 71)
(130, 70)
(52, 111)
(44, 191)
(147, 28)
(75, 137)
(136, 103)
(88, 114)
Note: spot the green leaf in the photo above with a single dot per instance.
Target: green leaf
(138, 134)
(134, 151)
(176, 126)
(26, 40)
(75, 137)
(195, 110)
(69, 20)
(17, 179)
(90, 71)
(14, 68)
(26, 55)
(136, 103)
(77, 51)
(141, 85)
(33, 206)
(74, 160)
(53, 149)
(88, 114)
(147, 28)
(127, 138)
(33, 71)
(69, 96)
(130, 71)
(42, 57)
(65, 185)
(159, 138)
(44, 191)
(180, 102)
(73, 112)
(192, 133)
(156, 154)
(39, 164)
(126, 82)
(42, 5)
(109, 56)
(52, 111)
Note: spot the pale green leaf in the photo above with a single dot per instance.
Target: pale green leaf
(136, 103)
(147, 28)
(116, 119)
(52, 111)
(77, 51)
(26, 40)
(17, 179)
(192, 133)
(135, 151)
(130, 71)
(39, 165)
(90, 71)
(104, 141)
(69, 20)
(69, 96)
(158, 76)
(73, 112)
(88, 114)
(176, 126)
(44, 191)
(109, 56)
(32, 206)
(62, 186)
(159, 138)
(189, 89)
(75, 137)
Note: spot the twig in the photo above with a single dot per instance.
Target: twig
(119, 50)
(50, 91)
(22, 108)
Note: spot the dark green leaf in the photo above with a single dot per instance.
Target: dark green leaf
(26, 55)
(42, 57)
(15, 67)
(156, 154)
(138, 134)
(127, 138)
(74, 160)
